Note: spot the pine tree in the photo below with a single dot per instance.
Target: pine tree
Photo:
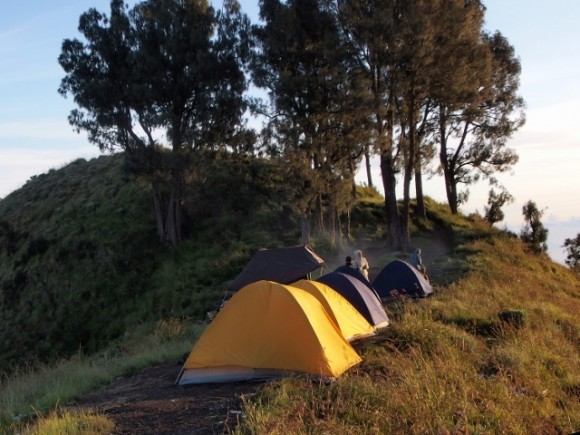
(477, 114)
(316, 112)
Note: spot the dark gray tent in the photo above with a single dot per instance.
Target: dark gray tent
(356, 274)
(359, 295)
(401, 277)
(281, 265)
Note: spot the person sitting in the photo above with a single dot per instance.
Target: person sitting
(348, 261)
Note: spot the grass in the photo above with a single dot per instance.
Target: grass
(494, 352)
(37, 392)
(61, 422)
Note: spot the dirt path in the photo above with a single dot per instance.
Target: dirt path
(150, 403)
(433, 246)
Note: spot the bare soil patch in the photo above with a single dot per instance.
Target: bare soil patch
(150, 402)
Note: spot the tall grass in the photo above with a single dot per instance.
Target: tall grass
(495, 352)
(80, 422)
(35, 390)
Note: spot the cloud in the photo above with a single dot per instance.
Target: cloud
(18, 164)
(37, 129)
(555, 221)
(558, 232)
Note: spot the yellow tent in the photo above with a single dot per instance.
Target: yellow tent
(268, 330)
(351, 323)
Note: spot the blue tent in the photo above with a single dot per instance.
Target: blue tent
(359, 295)
(401, 277)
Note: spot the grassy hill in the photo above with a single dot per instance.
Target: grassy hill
(495, 350)
(80, 262)
(73, 244)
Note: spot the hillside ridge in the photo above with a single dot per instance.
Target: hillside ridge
(500, 332)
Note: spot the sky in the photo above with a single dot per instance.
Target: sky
(35, 135)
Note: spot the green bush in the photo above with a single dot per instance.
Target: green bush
(513, 318)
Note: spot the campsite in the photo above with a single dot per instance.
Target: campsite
(232, 263)
(469, 351)
(150, 399)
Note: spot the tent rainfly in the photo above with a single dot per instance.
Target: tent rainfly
(359, 295)
(282, 265)
(268, 330)
(356, 274)
(401, 277)
(350, 322)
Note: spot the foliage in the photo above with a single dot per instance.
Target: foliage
(369, 194)
(534, 234)
(76, 242)
(495, 201)
(239, 197)
(315, 110)
(434, 77)
(344, 79)
(573, 253)
(165, 68)
(476, 125)
(369, 28)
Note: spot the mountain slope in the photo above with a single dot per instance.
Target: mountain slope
(80, 261)
(74, 255)
(494, 350)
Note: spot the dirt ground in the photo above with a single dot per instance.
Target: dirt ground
(149, 402)
(433, 247)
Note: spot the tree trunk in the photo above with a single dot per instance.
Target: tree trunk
(173, 220)
(348, 231)
(407, 176)
(388, 170)
(410, 166)
(368, 166)
(450, 185)
(420, 211)
(305, 236)
(333, 229)
(158, 207)
(320, 214)
(451, 190)
(392, 211)
(340, 234)
(168, 216)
